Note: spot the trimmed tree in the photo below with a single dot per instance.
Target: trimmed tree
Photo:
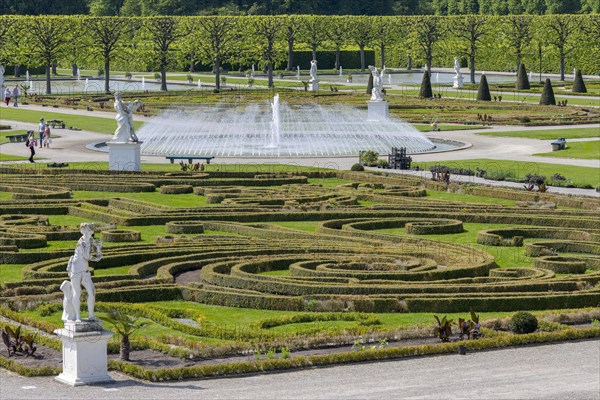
(579, 84)
(547, 98)
(426, 92)
(483, 94)
(522, 79)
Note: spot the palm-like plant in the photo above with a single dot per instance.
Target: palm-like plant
(125, 325)
(443, 329)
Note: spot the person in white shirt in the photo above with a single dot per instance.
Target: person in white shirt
(41, 130)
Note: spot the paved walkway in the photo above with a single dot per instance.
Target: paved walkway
(559, 371)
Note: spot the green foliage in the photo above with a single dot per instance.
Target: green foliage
(522, 78)
(547, 97)
(369, 158)
(443, 328)
(579, 84)
(425, 92)
(357, 167)
(483, 93)
(523, 322)
(125, 325)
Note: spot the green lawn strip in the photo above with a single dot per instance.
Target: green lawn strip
(11, 273)
(305, 226)
(89, 123)
(550, 134)
(506, 257)
(187, 200)
(434, 194)
(449, 127)
(329, 182)
(578, 175)
(281, 272)
(9, 157)
(4, 134)
(584, 150)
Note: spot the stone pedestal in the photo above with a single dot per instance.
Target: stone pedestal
(124, 156)
(378, 110)
(314, 86)
(458, 81)
(84, 353)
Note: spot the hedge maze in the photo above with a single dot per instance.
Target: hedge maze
(370, 243)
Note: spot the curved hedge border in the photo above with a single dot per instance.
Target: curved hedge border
(184, 227)
(121, 235)
(176, 189)
(561, 265)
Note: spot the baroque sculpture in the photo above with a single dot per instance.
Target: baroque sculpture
(377, 92)
(458, 78)
(87, 249)
(313, 71)
(125, 132)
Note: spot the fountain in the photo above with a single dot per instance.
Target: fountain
(276, 129)
(85, 86)
(341, 71)
(199, 83)
(78, 74)
(437, 77)
(27, 76)
(143, 84)
(252, 73)
(298, 73)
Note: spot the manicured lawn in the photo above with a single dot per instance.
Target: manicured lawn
(8, 157)
(586, 150)
(4, 134)
(94, 124)
(578, 175)
(11, 272)
(548, 134)
(168, 200)
(306, 226)
(434, 194)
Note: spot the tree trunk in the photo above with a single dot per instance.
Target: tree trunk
(107, 75)
(17, 71)
(290, 62)
(163, 77)
(314, 51)
(562, 67)
(125, 348)
(217, 68)
(54, 68)
(382, 55)
(472, 62)
(337, 58)
(362, 57)
(48, 87)
(192, 64)
(74, 69)
(270, 73)
(428, 64)
(409, 64)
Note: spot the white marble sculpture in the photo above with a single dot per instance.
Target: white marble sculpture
(87, 249)
(125, 132)
(313, 71)
(458, 78)
(377, 92)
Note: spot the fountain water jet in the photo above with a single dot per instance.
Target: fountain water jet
(281, 130)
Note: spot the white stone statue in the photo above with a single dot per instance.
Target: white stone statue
(377, 92)
(87, 249)
(68, 310)
(125, 132)
(313, 71)
(458, 78)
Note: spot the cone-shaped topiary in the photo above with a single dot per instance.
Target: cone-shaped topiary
(579, 84)
(370, 84)
(483, 94)
(547, 98)
(426, 92)
(522, 79)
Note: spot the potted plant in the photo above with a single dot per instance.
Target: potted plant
(223, 80)
(250, 81)
(349, 78)
(128, 75)
(190, 79)
(157, 76)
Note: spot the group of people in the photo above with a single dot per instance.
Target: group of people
(45, 140)
(14, 94)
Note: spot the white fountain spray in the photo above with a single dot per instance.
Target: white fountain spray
(78, 74)
(341, 71)
(143, 84)
(85, 86)
(252, 73)
(574, 73)
(27, 76)
(274, 123)
(298, 73)
(437, 77)
(199, 83)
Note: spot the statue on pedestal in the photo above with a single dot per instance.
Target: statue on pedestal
(125, 132)
(87, 249)
(313, 71)
(458, 78)
(377, 92)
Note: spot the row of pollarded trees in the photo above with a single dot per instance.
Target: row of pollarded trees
(163, 42)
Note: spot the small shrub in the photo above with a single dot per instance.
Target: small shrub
(128, 75)
(100, 71)
(522, 79)
(483, 94)
(523, 322)
(357, 167)
(189, 78)
(547, 98)
(426, 92)
(157, 76)
(578, 84)
(368, 158)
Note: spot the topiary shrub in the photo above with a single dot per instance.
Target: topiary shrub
(426, 92)
(523, 322)
(483, 94)
(522, 79)
(578, 84)
(547, 98)
(357, 167)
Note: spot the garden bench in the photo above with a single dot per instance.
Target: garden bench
(21, 137)
(57, 122)
(189, 158)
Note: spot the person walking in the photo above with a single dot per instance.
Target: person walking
(41, 129)
(15, 96)
(47, 140)
(7, 96)
(31, 144)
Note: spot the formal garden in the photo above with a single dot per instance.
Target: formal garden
(248, 268)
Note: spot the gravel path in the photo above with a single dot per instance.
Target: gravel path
(560, 371)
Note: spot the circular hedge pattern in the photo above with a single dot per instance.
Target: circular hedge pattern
(176, 189)
(121, 235)
(184, 227)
